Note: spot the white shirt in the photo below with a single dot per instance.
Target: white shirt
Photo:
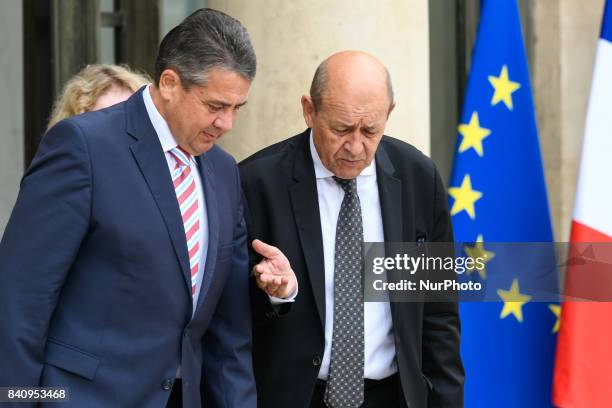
(379, 357)
(168, 143)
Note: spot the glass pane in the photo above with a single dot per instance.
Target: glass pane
(174, 11)
(107, 36)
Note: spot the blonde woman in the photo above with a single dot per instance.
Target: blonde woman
(96, 86)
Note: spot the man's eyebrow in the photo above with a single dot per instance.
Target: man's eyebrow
(222, 103)
(340, 123)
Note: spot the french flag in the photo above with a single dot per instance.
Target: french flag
(583, 366)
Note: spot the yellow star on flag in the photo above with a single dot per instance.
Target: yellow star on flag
(473, 135)
(464, 197)
(556, 309)
(504, 88)
(513, 301)
(479, 251)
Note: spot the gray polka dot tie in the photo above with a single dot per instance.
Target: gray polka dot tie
(345, 380)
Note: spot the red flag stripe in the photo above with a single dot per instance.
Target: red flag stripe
(584, 353)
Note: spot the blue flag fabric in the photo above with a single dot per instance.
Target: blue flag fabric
(606, 26)
(497, 193)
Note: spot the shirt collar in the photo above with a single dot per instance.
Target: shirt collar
(323, 172)
(159, 123)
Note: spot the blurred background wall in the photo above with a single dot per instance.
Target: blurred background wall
(11, 106)
(562, 42)
(292, 38)
(426, 45)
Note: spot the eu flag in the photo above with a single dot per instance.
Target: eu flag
(497, 193)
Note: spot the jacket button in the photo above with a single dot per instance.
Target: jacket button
(166, 385)
(316, 361)
(271, 315)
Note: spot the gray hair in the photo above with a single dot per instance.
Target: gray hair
(205, 40)
(319, 82)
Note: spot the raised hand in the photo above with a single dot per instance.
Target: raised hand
(273, 273)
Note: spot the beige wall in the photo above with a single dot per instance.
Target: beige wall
(546, 78)
(565, 38)
(580, 28)
(292, 37)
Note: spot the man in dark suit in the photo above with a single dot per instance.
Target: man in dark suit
(317, 196)
(124, 270)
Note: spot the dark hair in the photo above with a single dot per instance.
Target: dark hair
(205, 40)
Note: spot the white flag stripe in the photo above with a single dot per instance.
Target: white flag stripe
(593, 198)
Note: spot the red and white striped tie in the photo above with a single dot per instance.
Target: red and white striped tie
(186, 193)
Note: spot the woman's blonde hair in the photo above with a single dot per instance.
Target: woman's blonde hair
(83, 90)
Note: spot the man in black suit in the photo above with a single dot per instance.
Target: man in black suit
(317, 196)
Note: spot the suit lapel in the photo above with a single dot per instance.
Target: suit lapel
(305, 205)
(147, 152)
(212, 212)
(390, 193)
(396, 215)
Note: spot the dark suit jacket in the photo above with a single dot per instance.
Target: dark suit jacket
(95, 290)
(280, 187)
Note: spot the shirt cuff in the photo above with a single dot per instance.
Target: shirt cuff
(275, 301)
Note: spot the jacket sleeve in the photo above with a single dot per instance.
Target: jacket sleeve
(442, 364)
(48, 223)
(261, 304)
(228, 379)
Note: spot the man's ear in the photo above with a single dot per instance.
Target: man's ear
(391, 109)
(169, 84)
(308, 110)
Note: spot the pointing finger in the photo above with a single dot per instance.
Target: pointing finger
(265, 250)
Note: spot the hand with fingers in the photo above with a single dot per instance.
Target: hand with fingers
(273, 273)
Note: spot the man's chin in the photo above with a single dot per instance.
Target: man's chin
(349, 171)
(202, 147)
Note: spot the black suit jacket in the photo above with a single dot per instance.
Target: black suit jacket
(280, 188)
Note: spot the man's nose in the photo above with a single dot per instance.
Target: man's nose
(353, 144)
(224, 120)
